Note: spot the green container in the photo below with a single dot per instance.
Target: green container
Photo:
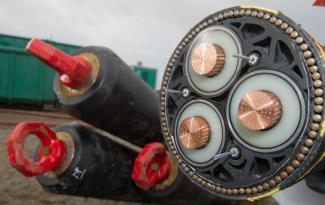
(149, 75)
(26, 80)
(23, 78)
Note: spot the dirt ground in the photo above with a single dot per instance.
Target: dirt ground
(16, 189)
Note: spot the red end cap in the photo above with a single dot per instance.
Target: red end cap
(51, 153)
(319, 3)
(74, 71)
(151, 166)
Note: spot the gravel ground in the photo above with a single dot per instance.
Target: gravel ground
(16, 189)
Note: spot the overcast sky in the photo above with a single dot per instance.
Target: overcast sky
(145, 30)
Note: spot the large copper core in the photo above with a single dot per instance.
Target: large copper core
(194, 132)
(208, 59)
(259, 110)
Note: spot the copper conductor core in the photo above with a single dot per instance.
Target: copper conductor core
(194, 132)
(259, 110)
(208, 59)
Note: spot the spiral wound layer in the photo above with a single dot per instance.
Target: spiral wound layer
(266, 51)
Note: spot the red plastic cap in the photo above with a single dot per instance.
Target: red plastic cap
(51, 153)
(151, 166)
(74, 71)
(319, 3)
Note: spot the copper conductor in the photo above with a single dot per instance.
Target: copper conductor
(194, 132)
(208, 59)
(259, 110)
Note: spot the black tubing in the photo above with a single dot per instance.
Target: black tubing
(119, 102)
(99, 168)
(108, 174)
